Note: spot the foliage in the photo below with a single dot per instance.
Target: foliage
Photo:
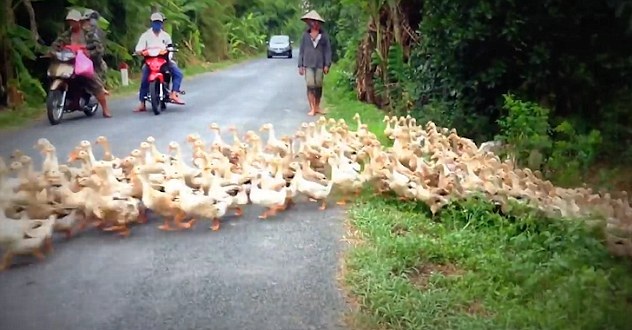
(242, 36)
(342, 104)
(525, 129)
(466, 56)
(470, 267)
(205, 30)
(563, 154)
(397, 85)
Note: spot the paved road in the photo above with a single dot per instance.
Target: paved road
(275, 274)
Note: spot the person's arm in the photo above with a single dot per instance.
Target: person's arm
(327, 51)
(301, 52)
(62, 40)
(168, 39)
(94, 46)
(141, 44)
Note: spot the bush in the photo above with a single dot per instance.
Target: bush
(561, 153)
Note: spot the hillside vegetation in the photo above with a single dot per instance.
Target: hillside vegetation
(550, 82)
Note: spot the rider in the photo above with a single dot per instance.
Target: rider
(76, 35)
(153, 38)
(89, 23)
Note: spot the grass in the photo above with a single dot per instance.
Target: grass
(470, 267)
(13, 119)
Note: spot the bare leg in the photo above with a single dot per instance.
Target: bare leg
(104, 105)
(323, 205)
(318, 93)
(312, 102)
(141, 107)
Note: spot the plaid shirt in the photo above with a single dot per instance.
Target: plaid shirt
(94, 46)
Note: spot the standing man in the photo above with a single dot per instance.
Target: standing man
(314, 59)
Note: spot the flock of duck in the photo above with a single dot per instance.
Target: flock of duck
(426, 163)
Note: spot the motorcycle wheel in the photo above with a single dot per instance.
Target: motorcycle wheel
(91, 109)
(163, 106)
(54, 110)
(154, 95)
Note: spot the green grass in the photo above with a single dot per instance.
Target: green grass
(342, 103)
(14, 119)
(470, 267)
(10, 119)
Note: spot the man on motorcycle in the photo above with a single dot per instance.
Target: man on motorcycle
(77, 35)
(153, 38)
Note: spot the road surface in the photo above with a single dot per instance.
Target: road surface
(275, 274)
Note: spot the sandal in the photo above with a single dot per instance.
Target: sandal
(175, 98)
(140, 108)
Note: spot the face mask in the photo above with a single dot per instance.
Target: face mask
(156, 26)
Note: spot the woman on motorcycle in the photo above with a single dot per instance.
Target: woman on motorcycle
(77, 35)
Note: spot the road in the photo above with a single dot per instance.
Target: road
(276, 274)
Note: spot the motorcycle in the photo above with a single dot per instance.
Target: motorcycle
(66, 86)
(159, 77)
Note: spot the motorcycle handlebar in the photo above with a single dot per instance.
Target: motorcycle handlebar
(169, 50)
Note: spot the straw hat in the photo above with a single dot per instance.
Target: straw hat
(73, 15)
(313, 15)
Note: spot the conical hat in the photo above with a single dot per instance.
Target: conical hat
(73, 15)
(312, 14)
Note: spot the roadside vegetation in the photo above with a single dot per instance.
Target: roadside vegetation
(556, 110)
(210, 34)
(470, 267)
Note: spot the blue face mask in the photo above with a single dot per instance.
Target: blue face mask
(156, 26)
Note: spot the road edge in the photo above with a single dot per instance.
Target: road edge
(31, 114)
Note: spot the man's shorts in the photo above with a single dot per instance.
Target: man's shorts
(314, 77)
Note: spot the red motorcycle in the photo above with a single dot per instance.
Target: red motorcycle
(159, 78)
